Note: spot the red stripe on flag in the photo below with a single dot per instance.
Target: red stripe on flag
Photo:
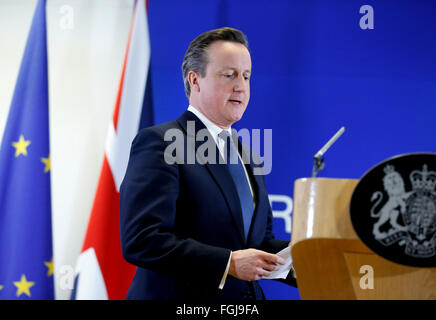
(120, 87)
(103, 235)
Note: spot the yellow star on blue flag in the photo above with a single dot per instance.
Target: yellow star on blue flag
(21, 146)
(46, 162)
(25, 209)
(23, 286)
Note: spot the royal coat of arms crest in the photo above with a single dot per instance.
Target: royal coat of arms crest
(416, 207)
(393, 209)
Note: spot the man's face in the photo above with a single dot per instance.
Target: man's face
(225, 89)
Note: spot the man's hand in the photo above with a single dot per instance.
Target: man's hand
(252, 264)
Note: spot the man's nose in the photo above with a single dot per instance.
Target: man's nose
(241, 85)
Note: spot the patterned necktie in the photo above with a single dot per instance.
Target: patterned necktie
(239, 178)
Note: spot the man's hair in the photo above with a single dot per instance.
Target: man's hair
(196, 57)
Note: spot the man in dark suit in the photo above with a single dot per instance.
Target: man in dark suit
(196, 230)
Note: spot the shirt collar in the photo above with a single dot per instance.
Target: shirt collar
(212, 127)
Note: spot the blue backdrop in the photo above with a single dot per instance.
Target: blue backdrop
(314, 70)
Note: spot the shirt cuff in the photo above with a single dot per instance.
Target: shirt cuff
(223, 279)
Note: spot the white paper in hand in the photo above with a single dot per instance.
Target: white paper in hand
(283, 271)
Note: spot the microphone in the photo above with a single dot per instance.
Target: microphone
(318, 159)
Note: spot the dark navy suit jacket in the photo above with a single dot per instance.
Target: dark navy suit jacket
(180, 221)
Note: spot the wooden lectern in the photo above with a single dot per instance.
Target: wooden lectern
(329, 259)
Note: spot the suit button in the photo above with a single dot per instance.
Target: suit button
(247, 295)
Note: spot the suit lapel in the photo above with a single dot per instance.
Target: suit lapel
(219, 172)
(225, 182)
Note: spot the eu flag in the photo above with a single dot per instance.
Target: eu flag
(26, 263)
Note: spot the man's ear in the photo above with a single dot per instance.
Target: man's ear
(193, 78)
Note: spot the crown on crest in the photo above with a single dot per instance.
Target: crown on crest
(423, 179)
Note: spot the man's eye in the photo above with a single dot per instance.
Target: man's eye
(228, 75)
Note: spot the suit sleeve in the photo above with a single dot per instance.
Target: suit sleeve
(148, 203)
